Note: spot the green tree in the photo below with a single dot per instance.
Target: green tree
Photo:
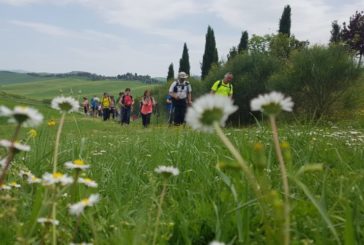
(232, 53)
(170, 75)
(281, 45)
(184, 62)
(335, 32)
(244, 40)
(210, 55)
(285, 21)
(353, 34)
(259, 44)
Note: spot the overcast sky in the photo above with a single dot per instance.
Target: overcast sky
(112, 37)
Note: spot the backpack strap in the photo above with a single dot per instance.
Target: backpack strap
(220, 83)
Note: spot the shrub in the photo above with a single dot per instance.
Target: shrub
(317, 78)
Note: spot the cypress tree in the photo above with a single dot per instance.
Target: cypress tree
(210, 55)
(184, 62)
(285, 21)
(335, 32)
(170, 75)
(243, 45)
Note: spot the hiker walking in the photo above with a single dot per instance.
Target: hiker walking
(224, 87)
(180, 91)
(112, 107)
(94, 105)
(105, 106)
(126, 104)
(85, 105)
(121, 94)
(169, 109)
(146, 107)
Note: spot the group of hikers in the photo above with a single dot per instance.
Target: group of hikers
(178, 99)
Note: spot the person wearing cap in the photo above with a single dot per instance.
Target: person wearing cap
(223, 87)
(180, 91)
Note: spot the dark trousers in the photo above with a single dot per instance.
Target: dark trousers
(113, 112)
(179, 114)
(146, 119)
(125, 115)
(106, 113)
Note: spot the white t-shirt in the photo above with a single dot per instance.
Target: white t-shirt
(181, 89)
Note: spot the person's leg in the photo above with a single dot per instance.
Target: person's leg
(113, 113)
(104, 116)
(183, 113)
(121, 114)
(148, 119)
(144, 120)
(128, 110)
(177, 115)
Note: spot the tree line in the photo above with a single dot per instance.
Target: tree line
(95, 77)
(322, 79)
(351, 35)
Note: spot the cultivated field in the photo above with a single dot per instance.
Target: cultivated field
(46, 88)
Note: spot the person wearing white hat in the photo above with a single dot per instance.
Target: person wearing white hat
(181, 93)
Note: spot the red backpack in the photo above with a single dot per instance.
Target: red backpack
(127, 100)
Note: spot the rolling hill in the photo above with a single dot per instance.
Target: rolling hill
(48, 87)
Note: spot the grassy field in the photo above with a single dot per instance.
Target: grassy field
(47, 88)
(203, 203)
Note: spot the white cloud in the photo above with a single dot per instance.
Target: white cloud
(58, 31)
(43, 28)
(311, 20)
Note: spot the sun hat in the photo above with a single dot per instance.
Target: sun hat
(182, 74)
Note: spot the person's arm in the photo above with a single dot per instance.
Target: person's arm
(214, 88)
(171, 93)
(189, 95)
(231, 92)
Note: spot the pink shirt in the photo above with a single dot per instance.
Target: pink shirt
(147, 106)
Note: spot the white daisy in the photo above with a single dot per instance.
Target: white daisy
(78, 208)
(27, 116)
(31, 179)
(14, 184)
(24, 174)
(76, 164)
(16, 145)
(88, 182)
(167, 170)
(216, 243)
(4, 111)
(45, 221)
(5, 187)
(209, 109)
(271, 103)
(65, 104)
(2, 163)
(56, 178)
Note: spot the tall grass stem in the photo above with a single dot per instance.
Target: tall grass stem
(58, 137)
(159, 212)
(282, 166)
